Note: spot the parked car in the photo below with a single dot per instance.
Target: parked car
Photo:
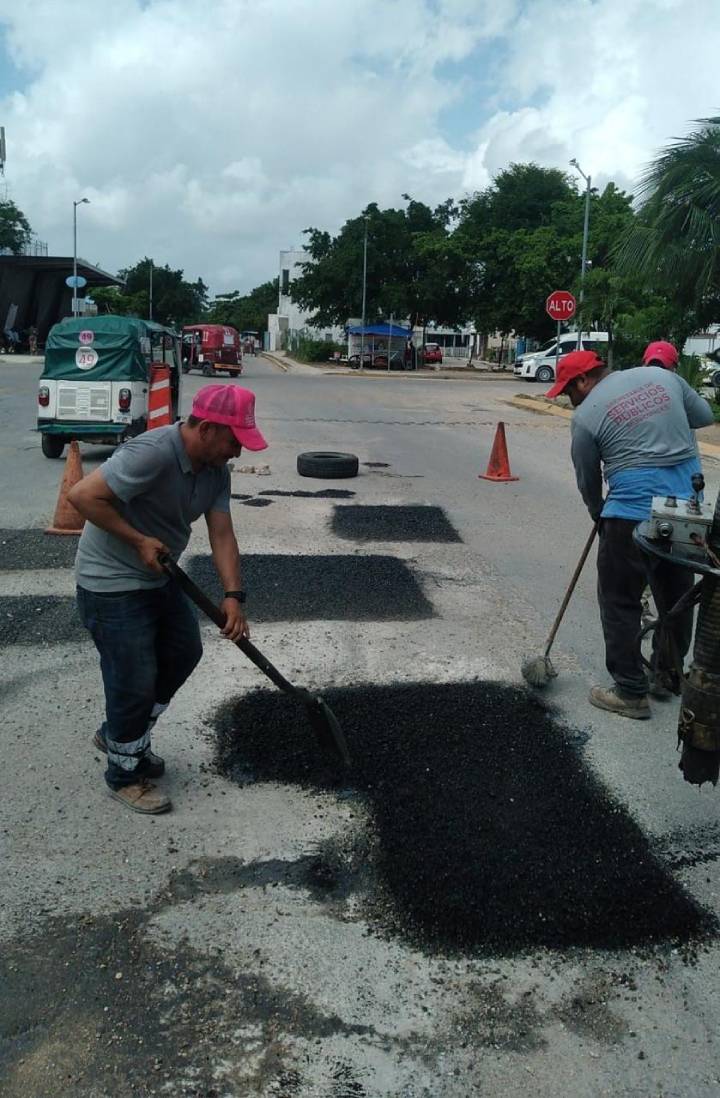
(376, 360)
(540, 365)
(432, 352)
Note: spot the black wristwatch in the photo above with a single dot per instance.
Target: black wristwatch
(239, 595)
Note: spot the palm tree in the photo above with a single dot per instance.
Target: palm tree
(674, 243)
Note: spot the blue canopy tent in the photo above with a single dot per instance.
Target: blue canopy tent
(378, 341)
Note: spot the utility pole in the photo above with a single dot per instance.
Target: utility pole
(150, 305)
(362, 331)
(79, 202)
(586, 227)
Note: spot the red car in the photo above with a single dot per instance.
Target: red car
(432, 353)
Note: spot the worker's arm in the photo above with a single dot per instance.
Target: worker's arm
(698, 411)
(226, 556)
(588, 471)
(97, 503)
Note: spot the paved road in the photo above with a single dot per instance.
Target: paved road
(336, 1011)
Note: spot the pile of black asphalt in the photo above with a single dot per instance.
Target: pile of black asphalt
(311, 587)
(382, 522)
(490, 832)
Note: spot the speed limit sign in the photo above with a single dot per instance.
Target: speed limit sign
(86, 358)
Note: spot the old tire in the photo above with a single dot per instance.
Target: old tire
(208, 371)
(52, 445)
(327, 466)
(544, 373)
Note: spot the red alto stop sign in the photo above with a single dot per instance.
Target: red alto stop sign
(560, 305)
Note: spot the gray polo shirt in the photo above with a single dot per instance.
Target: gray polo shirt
(634, 419)
(158, 494)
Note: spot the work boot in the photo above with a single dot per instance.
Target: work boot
(150, 765)
(638, 709)
(143, 797)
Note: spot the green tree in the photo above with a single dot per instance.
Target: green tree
(246, 312)
(521, 239)
(14, 228)
(174, 301)
(674, 243)
(412, 269)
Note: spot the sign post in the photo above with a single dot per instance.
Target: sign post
(560, 305)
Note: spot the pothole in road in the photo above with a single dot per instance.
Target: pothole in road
(393, 523)
(492, 835)
(325, 493)
(322, 588)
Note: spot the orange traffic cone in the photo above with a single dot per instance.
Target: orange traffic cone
(159, 400)
(68, 519)
(499, 464)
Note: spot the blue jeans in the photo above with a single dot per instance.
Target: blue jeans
(149, 644)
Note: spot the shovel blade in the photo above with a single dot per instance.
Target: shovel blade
(328, 732)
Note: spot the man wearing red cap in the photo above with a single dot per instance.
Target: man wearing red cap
(661, 353)
(634, 428)
(139, 506)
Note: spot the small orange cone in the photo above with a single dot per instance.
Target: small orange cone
(67, 519)
(499, 464)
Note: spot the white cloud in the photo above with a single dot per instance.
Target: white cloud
(210, 133)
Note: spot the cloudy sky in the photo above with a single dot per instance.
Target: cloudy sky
(209, 133)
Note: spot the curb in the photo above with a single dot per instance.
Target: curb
(275, 361)
(369, 375)
(707, 449)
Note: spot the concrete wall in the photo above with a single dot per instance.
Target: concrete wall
(290, 321)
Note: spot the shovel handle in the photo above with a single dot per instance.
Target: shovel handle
(571, 587)
(196, 595)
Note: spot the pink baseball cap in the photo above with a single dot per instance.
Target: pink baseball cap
(232, 406)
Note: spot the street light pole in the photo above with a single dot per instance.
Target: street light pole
(362, 330)
(79, 202)
(586, 226)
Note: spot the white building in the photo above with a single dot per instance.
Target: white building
(289, 321)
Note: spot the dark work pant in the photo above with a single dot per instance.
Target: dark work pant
(149, 643)
(623, 573)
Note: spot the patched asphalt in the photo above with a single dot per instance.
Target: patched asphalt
(357, 522)
(321, 588)
(42, 620)
(492, 833)
(92, 1006)
(34, 549)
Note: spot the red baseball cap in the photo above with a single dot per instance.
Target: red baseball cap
(663, 352)
(232, 406)
(572, 366)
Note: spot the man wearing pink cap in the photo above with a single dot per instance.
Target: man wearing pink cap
(634, 428)
(140, 505)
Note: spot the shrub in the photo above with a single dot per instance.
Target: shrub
(314, 350)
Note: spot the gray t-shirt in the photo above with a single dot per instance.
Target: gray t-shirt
(634, 419)
(159, 495)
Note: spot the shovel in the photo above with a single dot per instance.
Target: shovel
(323, 721)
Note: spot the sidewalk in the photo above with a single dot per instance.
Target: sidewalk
(22, 360)
(480, 372)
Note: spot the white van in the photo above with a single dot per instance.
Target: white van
(540, 365)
